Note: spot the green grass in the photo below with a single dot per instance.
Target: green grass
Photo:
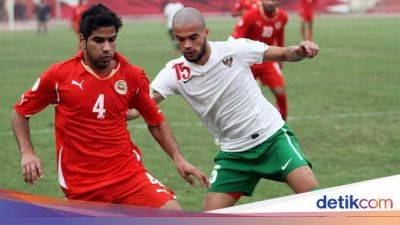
(357, 72)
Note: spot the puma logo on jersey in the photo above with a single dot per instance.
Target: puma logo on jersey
(74, 82)
(22, 100)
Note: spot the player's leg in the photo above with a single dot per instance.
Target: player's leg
(302, 179)
(272, 77)
(171, 205)
(310, 30)
(285, 162)
(230, 179)
(298, 173)
(303, 30)
(215, 200)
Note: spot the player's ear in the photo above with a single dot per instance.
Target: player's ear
(82, 41)
(207, 31)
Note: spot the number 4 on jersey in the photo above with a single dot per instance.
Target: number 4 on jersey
(99, 107)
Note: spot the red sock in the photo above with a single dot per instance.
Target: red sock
(281, 103)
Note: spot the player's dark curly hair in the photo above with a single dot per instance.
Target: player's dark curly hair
(96, 17)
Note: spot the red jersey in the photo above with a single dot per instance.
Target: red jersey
(93, 144)
(255, 25)
(245, 5)
(76, 16)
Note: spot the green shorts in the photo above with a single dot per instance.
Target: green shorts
(274, 159)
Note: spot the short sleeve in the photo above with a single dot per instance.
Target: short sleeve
(165, 83)
(43, 93)
(248, 51)
(142, 102)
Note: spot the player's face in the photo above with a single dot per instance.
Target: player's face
(100, 47)
(269, 5)
(191, 40)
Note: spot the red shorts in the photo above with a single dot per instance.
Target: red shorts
(306, 16)
(269, 74)
(139, 190)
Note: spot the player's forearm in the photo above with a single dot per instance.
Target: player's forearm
(291, 55)
(282, 54)
(20, 125)
(163, 134)
(132, 114)
(157, 97)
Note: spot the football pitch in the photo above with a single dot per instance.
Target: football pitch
(343, 105)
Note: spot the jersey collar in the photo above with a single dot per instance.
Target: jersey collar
(118, 57)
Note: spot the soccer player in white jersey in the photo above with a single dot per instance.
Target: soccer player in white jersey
(215, 79)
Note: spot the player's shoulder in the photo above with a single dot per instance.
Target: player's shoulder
(282, 13)
(232, 43)
(65, 66)
(252, 13)
(126, 66)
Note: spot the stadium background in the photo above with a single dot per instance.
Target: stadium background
(343, 105)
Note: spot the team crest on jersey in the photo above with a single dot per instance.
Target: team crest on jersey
(278, 25)
(121, 87)
(228, 62)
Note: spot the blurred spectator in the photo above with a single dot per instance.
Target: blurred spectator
(3, 11)
(42, 11)
(76, 15)
(20, 10)
(169, 11)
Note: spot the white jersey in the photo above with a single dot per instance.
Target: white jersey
(224, 93)
(169, 11)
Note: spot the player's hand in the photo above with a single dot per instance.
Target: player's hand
(31, 168)
(281, 65)
(187, 170)
(132, 114)
(307, 49)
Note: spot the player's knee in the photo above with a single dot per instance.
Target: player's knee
(214, 201)
(302, 180)
(172, 205)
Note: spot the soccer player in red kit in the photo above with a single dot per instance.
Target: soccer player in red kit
(267, 24)
(242, 6)
(76, 15)
(307, 16)
(91, 93)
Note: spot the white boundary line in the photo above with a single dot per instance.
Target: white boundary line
(290, 118)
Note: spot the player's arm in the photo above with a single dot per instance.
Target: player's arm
(134, 114)
(162, 133)
(32, 101)
(306, 49)
(30, 163)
